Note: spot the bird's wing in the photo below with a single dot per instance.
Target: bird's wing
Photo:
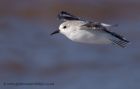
(96, 26)
(64, 16)
(99, 25)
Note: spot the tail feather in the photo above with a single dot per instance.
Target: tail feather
(121, 43)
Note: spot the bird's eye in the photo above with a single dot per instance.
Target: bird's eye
(65, 27)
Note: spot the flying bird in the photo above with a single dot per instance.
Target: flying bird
(85, 31)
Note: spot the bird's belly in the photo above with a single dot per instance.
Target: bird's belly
(91, 38)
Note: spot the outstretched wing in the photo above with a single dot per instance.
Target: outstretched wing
(64, 16)
(120, 40)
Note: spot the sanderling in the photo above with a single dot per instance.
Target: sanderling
(84, 31)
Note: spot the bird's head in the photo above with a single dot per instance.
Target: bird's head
(65, 28)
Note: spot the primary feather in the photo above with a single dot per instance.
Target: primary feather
(64, 16)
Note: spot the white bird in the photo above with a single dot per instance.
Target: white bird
(84, 31)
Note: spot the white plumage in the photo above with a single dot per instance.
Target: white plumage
(84, 31)
(76, 32)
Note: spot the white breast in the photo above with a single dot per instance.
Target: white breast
(85, 36)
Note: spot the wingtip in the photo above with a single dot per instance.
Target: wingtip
(63, 15)
(63, 12)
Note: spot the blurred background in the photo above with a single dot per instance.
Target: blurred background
(29, 54)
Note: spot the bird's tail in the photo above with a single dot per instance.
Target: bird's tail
(120, 42)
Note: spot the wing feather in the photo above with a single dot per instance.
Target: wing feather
(64, 16)
(121, 41)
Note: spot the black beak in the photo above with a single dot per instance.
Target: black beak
(55, 32)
